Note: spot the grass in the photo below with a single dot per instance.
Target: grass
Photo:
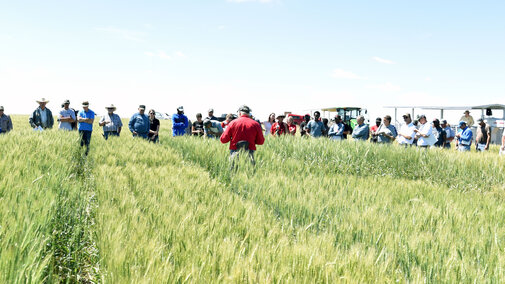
(310, 211)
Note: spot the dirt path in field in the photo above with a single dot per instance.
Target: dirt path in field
(72, 245)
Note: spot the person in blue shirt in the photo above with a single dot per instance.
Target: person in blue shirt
(361, 131)
(464, 137)
(86, 117)
(179, 122)
(315, 128)
(139, 124)
(336, 131)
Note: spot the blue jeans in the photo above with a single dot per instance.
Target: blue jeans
(464, 148)
(85, 139)
(141, 135)
(106, 134)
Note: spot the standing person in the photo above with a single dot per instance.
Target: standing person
(229, 118)
(111, 123)
(139, 123)
(439, 134)
(326, 127)
(86, 117)
(212, 128)
(373, 130)
(42, 117)
(347, 130)
(244, 134)
(66, 117)
(5, 121)
(464, 137)
(424, 134)
(210, 113)
(280, 127)
(268, 124)
(407, 131)
(154, 127)
(361, 131)
(197, 127)
(483, 136)
(303, 125)
(386, 133)
(179, 122)
(336, 131)
(467, 118)
(291, 126)
(449, 134)
(315, 127)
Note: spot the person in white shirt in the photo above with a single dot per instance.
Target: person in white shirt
(407, 131)
(268, 124)
(67, 117)
(424, 134)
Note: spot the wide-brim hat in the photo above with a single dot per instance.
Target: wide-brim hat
(111, 107)
(280, 116)
(42, 100)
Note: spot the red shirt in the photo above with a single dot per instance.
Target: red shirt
(292, 129)
(374, 128)
(243, 128)
(278, 129)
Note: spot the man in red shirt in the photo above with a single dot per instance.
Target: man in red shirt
(243, 133)
(280, 127)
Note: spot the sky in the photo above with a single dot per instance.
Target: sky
(273, 55)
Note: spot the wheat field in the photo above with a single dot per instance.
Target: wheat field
(310, 211)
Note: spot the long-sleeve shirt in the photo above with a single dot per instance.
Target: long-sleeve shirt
(37, 118)
(336, 131)
(5, 123)
(139, 123)
(243, 129)
(466, 137)
(179, 124)
(361, 132)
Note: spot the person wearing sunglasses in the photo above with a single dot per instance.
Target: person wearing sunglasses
(154, 127)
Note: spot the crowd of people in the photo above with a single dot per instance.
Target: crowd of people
(244, 131)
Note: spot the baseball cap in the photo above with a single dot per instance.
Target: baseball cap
(181, 108)
(1, 108)
(443, 121)
(142, 107)
(421, 116)
(210, 110)
(66, 102)
(406, 115)
(85, 103)
(244, 108)
(206, 121)
(461, 123)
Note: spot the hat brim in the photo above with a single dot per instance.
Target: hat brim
(114, 108)
(42, 101)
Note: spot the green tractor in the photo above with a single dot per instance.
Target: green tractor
(348, 114)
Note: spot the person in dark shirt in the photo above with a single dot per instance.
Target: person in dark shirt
(197, 127)
(303, 125)
(439, 133)
(154, 127)
(347, 130)
(326, 127)
(211, 115)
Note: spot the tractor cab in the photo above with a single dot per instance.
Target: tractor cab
(348, 114)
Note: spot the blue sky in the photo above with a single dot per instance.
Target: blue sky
(278, 55)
